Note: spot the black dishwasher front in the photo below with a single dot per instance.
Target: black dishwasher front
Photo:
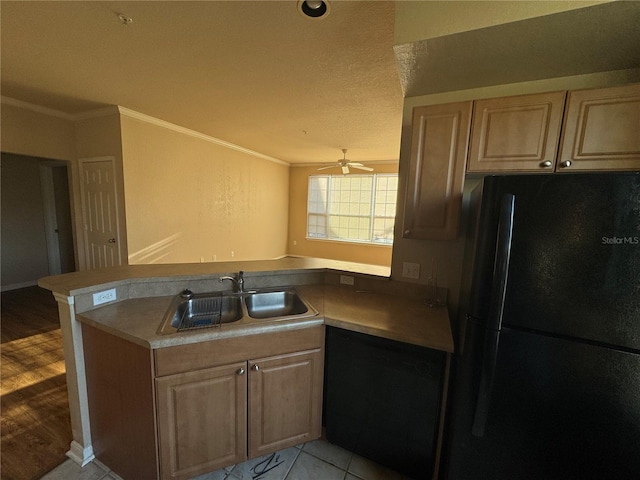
(382, 400)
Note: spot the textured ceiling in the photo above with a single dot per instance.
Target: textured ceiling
(598, 38)
(257, 74)
(262, 76)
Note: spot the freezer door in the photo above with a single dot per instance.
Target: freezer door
(575, 258)
(559, 410)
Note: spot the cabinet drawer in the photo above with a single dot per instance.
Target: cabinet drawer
(183, 358)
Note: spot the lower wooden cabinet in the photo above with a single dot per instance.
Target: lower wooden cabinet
(219, 406)
(202, 420)
(202, 415)
(285, 401)
(182, 411)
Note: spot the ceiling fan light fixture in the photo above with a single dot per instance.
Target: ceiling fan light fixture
(313, 8)
(344, 164)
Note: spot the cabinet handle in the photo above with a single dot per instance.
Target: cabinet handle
(240, 371)
(566, 163)
(255, 367)
(407, 232)
(546, 164)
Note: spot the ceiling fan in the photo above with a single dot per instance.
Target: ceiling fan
(344, 163)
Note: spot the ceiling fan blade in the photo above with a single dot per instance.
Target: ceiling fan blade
(345, 169)
(368, 169)
(329, 166)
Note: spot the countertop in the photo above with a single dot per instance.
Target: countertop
(88, 281)
(379, 314)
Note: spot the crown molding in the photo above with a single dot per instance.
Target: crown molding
(117, 109)
(186, 131)
(36, 108)
(97, 113)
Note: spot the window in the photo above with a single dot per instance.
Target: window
(352, 208)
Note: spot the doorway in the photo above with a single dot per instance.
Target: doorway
(37, 237)
(54, 177)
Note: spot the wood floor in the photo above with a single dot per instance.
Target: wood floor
(36, 429)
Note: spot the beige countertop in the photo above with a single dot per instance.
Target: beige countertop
(88, 281)
(387, 316)
(383, 315)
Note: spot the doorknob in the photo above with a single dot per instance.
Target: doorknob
(112, 240)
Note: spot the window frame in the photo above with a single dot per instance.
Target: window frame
(327, 213)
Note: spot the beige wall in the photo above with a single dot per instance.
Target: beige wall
(372, 254)
(35, 134)
(99, 136)
(419, 20)
(189, 199)
(449, 254)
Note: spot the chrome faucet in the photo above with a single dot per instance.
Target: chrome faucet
(237, 282)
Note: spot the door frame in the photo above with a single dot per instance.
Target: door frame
(50, 213)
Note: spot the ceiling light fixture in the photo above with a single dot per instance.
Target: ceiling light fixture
(125, 19)
(313, 8)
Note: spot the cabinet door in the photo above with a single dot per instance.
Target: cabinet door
(516, 134)
(602, 130)
(202, 420)
(439, 144)
(285, 401)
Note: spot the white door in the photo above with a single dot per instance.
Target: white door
(100, 213)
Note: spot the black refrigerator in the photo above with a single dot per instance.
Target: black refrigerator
(547, 382)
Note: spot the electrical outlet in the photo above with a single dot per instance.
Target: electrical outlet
(214, 258)
(104, 297)
(346, 280)
(411, 270)
(233, 254)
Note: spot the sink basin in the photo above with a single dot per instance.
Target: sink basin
(189, 311)
(275, 304)
(201, 311)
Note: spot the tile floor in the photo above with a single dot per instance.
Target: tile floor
(317, 460)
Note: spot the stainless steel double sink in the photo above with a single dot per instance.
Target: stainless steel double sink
(189, 311)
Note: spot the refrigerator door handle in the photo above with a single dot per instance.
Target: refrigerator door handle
(494, 320)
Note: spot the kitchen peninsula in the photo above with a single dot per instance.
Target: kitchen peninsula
(349, 296)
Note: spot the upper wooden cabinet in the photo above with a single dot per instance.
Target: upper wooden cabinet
(516, 134)
(601, 130)
(440, 138)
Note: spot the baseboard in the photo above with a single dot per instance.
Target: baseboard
(79, 454)
(16, 286)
